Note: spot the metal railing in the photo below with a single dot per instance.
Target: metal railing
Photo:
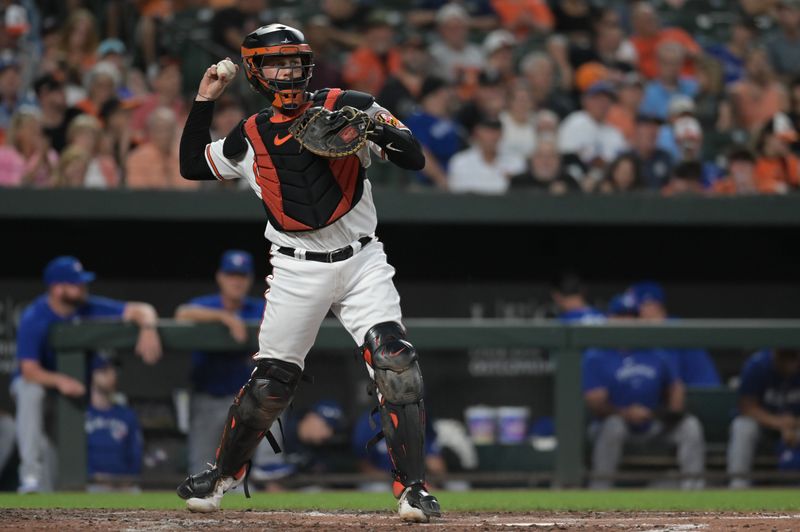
(565, 341)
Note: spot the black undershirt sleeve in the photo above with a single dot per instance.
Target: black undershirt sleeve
(194, 139)
(399, 146)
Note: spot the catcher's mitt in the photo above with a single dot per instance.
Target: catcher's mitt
(332, 134)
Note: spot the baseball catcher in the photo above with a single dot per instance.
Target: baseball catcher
(305, 157)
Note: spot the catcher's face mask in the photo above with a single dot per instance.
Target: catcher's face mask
(281, 73)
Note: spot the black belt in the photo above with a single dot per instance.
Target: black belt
(327, 256)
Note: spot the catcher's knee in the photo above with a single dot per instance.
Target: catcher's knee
(269, 390)
(394, 362)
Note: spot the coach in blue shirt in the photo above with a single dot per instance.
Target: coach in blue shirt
(636, 396)
(218, 376)
(769, 404)
(67, 299)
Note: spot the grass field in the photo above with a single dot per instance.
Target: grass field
(471, 501)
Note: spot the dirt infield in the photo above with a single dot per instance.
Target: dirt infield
(124, 520)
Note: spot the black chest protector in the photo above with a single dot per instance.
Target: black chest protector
(300, 191)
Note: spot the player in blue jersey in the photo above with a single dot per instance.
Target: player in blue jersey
(113, 434)
(218, 376)
(635, 396)
(769, 406)
(67, 299)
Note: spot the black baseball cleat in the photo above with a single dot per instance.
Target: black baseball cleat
(416, 504)
(203, 492)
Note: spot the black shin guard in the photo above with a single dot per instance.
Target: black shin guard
(258, 404)
(399, 382)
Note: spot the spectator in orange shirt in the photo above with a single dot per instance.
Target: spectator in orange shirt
(524, 17)
(758, 96)
(777, 168)
(741, 179)
(367, 68)
(648, 36)
(155, 164)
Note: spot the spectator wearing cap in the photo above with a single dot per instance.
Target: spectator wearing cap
(545, 171)
(769, 410)
(373, 457)
(368, 66)
(654, 164)
(401, 91)
(499, 49)
(538, 69)
(307, 441)
(586, 134)
(693, 366)
(784, 46)
(648, 36)
(519, 121)
(113, 433)
(216, 376)
(483, 168)
(166, 84)
(114, 51)
(439, 134)
(731, 54)
(524, 18)
(680, 107)
(51, 97)
(758, 95)
(669, 82)
(67, 299)
(456, 58)
(27, 158)
(741, 175)
(777, 168)
(12, 93)
(154, 164)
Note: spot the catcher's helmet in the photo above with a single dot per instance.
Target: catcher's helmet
(271, 41)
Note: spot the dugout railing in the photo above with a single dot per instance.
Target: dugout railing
(73, 341)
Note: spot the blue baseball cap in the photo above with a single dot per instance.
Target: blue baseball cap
(66, 269)
(624, 304)
(648, 291)
(101, 361)
(602, 87)
(111, 46)
(331, 411)
(236, 261)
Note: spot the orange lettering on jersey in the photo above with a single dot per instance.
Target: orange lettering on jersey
(280, 140)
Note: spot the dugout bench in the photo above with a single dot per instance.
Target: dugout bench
(72, 341)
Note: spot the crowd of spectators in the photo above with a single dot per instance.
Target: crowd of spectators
(594, 96)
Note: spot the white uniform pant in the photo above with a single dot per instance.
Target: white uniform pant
(359, 291)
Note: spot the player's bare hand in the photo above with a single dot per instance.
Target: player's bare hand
(237, 328)
(70, 387)
(214, 82)
(148, 345)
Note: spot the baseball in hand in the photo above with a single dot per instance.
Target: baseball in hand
(226, 69)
